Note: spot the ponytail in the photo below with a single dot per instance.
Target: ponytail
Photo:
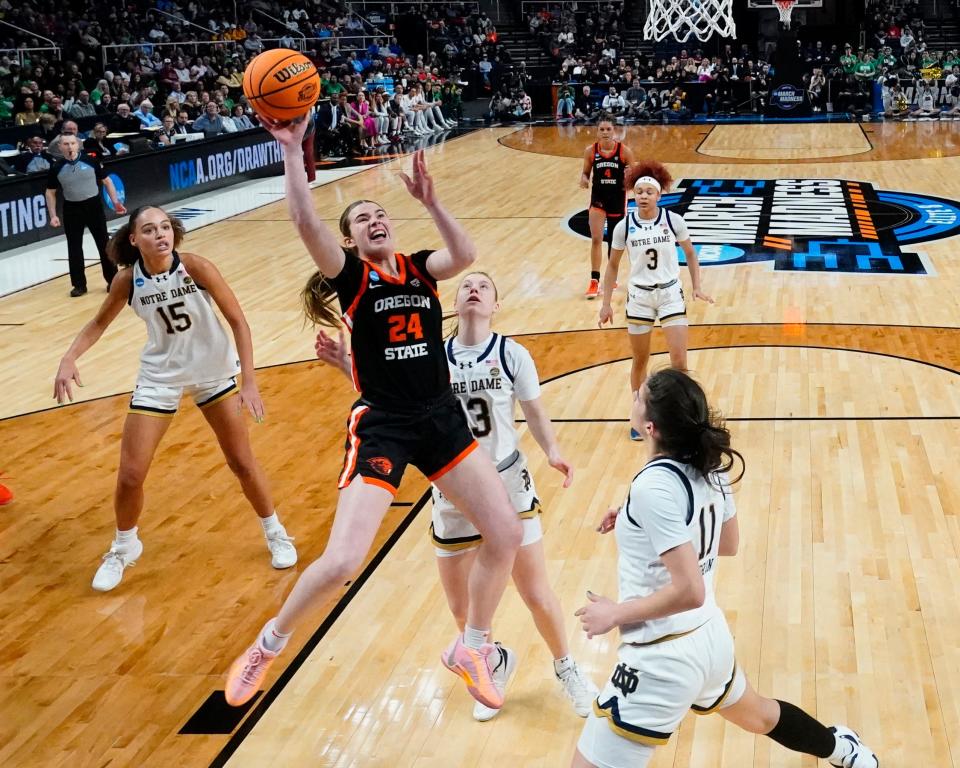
(689, 431)
(317, 298)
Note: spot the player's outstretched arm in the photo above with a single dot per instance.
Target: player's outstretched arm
(542, 430)
(460, 251)
(334, 352)
(321, 242)
(68, 372)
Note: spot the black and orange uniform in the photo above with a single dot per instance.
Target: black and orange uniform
(607, 192)
(407, 412)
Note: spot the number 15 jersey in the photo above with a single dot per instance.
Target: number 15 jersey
(488, 379)
(185, 342)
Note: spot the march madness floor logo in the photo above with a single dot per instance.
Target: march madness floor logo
(812, 225)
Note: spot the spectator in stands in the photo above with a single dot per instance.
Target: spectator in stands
(47, 128)
(907, 40)
(614, 103)
(145, 115)
(69, 128)
(96, 144)
(253, 44)
(164, 137)
(815, 89)
(123, 121)
(565, 103)
(183, 122)
(231, 78)
(209, 122)
(676, 106)
(82, 107)
(35, 159)
(26, 115)
(586, 106)
(523, 107)
(191, 105)
(241, 119)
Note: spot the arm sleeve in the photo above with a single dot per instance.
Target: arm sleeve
(526, 380)
(679, 227)
(619, 240)
(658, 503)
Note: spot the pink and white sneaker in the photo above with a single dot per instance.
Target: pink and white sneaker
(248, 671)
(473, 665)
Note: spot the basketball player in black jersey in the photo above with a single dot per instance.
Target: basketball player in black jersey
(407, 413)
(604, 164)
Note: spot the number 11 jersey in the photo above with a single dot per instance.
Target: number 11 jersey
(185, 342)
(488, 378)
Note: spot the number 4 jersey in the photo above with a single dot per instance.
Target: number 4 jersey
(488, 379)
(185, 342)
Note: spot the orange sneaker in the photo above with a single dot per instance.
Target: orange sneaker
(473, 666)
(248, 671)
(6, 495)
(593, 290)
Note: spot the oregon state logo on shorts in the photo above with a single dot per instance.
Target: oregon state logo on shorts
(381, 465)
(806, 225)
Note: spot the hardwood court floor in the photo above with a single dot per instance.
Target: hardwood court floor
(842, 391)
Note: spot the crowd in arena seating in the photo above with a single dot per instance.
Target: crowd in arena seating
(652, 87)
(184, 62)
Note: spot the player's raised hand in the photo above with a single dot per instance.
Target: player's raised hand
(420, 186)
(288, 132)
(333, 351)
(66, 373)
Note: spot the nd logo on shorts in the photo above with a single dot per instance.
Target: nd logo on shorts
(806, 225)
(381, 464)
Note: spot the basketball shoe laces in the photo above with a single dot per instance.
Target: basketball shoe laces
(251, 669)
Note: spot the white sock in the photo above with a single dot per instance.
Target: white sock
(271, 524)
(560, 666)
(125, 538)
(272, 639)
(474, 638)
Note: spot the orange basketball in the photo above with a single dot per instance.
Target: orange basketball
(281, 84)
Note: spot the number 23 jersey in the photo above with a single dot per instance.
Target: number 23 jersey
(185, 342)
(488, 379)
(396, 338)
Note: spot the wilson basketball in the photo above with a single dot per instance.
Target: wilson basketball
(281, 84)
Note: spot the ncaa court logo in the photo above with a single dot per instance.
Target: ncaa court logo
(806, 225)
(118, 186)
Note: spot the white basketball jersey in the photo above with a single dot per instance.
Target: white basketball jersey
(185, 342)
(651, 245)
(669, 504)
(488, 379)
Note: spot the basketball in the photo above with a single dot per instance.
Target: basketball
(281, 84)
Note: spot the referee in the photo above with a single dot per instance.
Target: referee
(79, 177)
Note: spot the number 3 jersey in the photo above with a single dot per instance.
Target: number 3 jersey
(185, 342)
(488, 379)
(669, 504)
(396, 338)
(651, 245)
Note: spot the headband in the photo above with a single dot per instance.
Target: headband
(648, 180)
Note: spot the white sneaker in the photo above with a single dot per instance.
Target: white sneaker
(451, 123)
(502, 671)
(110, 572)
(284, 554)
(579, 689)
(859, 755)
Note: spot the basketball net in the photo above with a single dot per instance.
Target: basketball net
(682, 18)
(786, 8)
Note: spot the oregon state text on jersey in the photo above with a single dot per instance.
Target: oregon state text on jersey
(185, 342)
(395, 331)
(488, 379)
(608, 178)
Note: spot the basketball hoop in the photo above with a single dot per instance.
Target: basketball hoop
(786, 8)
(683, 18)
